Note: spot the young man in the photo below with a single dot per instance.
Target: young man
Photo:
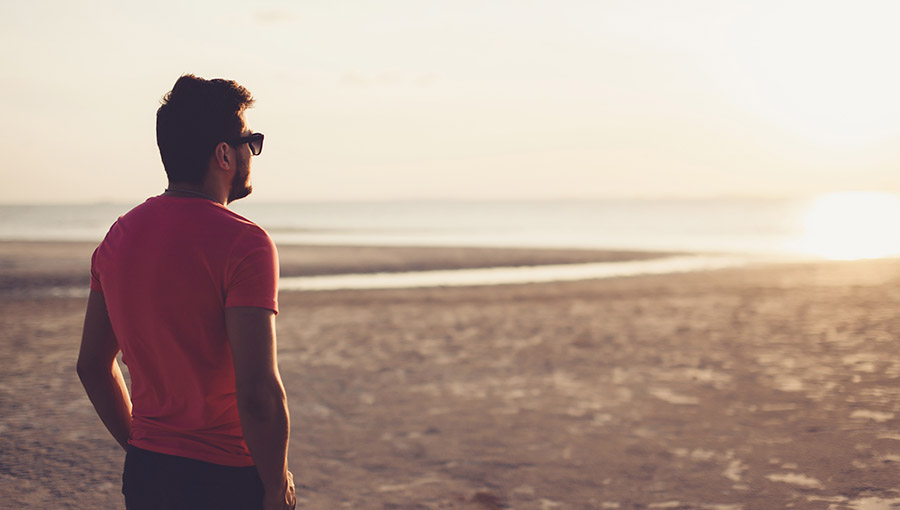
(186, 289)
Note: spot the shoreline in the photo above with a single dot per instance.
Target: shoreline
(29, 267)
(509, 275)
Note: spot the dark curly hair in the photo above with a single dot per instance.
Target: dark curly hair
(194, 117)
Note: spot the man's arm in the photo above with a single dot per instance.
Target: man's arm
(100, 373)
(261, 400)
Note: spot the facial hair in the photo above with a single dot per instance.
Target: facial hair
(240, 183)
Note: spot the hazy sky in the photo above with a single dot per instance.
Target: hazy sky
(463, 99)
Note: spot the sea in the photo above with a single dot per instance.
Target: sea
(694, 234)
(732, 226)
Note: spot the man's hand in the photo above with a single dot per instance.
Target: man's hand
(284, 499)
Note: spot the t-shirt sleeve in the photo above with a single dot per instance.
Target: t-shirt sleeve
(95, 273)
(253, 279)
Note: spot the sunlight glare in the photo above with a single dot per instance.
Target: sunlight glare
(852, 225)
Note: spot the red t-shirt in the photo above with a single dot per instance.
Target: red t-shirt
(167, 270)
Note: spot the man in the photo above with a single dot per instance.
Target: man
(187, 290)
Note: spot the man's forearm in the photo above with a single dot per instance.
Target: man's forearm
(261, 400)
(266, 425)
(107, 391)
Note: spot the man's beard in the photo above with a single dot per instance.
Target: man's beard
(240, 184)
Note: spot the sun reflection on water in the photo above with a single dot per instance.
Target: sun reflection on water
(852, 225)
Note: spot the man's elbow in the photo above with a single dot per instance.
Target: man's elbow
(262, 399)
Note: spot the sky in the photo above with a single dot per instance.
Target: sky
(471, 100)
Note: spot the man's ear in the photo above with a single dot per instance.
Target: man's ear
(223, 157)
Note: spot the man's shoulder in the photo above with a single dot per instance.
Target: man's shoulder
(245, 226)
(246, 234)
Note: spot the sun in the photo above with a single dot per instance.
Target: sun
(852, 225)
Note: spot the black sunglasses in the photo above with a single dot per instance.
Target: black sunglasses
(255, 140)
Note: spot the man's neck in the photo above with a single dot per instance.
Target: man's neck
(187, 190)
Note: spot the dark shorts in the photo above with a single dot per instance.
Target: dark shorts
(156, 481)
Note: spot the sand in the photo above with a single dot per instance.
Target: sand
(766, 387)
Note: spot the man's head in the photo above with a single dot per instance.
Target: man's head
(195, 118)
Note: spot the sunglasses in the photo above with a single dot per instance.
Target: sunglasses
(255, 140)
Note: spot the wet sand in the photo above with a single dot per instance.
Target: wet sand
(766, 387)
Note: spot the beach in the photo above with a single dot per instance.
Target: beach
(763, 387)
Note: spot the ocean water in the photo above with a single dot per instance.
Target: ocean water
(745, 226)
